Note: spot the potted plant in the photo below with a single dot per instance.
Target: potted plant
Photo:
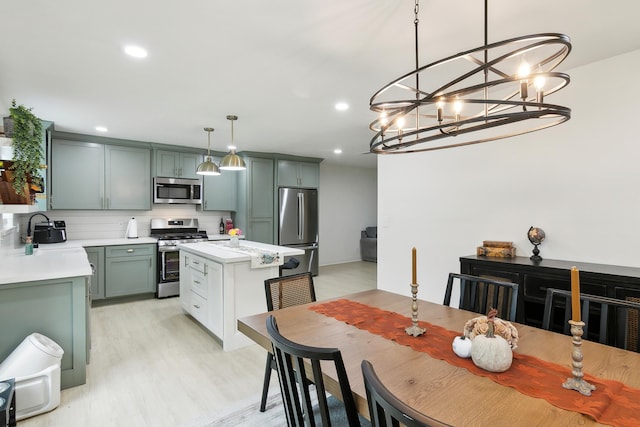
(27, 149)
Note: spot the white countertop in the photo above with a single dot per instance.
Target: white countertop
(222, 253)
(55, 260)
(44, 265)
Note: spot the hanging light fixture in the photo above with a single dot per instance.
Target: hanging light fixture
(208, 167)
(508, 90)
(232, 161)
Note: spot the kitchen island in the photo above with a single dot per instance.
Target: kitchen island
(220, 283)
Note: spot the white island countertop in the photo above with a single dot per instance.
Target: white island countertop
(221, 251)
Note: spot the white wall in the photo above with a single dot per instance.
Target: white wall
(347, 204)
(577, 181)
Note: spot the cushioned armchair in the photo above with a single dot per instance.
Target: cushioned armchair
(369, 244)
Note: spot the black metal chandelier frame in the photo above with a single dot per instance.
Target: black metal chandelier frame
(429, 128)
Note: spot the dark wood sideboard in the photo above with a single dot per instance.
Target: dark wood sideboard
(534, 278)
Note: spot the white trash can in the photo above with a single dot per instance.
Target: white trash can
(35, 365)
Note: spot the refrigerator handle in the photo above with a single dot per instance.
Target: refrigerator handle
(300, 214)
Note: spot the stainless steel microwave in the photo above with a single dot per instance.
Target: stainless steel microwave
(177, 190)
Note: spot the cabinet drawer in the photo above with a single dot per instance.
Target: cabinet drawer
(199, 283)
(197, 264)
(198, 308)
(130, 250)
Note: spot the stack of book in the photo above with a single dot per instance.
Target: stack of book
(496, 249)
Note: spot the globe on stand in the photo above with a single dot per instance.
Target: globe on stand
(536, 236)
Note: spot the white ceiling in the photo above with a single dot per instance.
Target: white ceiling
(280, 66)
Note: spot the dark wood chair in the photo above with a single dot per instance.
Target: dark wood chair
(479, 294)
(297, 361)
(284, 292)
(385, 409)
(607, 320)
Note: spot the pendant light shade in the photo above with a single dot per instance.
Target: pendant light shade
(232, 161)
(208, 167)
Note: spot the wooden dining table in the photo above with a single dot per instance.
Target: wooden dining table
(449, 393)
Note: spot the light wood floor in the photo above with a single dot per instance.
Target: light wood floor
(151, 365)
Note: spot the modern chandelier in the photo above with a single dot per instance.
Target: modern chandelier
(500, 91)
(208, 167)
(232, 161)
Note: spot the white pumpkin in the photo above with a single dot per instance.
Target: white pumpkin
(491, 352)
(462, 346)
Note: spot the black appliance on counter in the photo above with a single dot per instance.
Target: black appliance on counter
(170, 233)
(47, 231)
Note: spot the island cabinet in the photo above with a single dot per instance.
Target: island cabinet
(176, 164)
(129, 270)
(220, 191)
(534, 278)
(298, 174)
(87, 175)
(96, 259)
(219, 285)
(55, 308)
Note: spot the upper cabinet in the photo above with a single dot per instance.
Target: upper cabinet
(86, 175)
(255, 214)
(176, 164)
(220, 191)
(298, 174)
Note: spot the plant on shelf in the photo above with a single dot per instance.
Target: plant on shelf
(27, 149)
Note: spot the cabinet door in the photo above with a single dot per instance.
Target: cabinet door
(260, 193)
(288, 173)
(185, 281)
(214, 301)
(220, 191)
(167, 163)
(129, 270)
(128, 178)
(96, 259)
(309, 175)
(77, 175)
(188, 165)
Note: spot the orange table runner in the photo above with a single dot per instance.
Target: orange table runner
(611, 403)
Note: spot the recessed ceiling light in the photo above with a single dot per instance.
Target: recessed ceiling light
(135, 51)
(101, 129)
(342, 106)
(337, 151)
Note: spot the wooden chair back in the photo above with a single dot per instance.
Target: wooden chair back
(607, 320)
(479, 294)
(385, 409)
(287, 291)
(296, 362)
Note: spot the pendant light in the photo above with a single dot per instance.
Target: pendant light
(208, 167)
(232, 162)
(498, 90)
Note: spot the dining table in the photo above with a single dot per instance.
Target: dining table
(424, 372)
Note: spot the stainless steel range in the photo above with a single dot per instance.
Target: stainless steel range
(170, 233)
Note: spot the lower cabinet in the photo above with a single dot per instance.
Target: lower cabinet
(122, 270)
(201, 291)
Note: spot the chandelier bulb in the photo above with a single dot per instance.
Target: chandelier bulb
(400, 123)
(440, 109)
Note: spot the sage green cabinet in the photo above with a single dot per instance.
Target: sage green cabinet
(86, 175)
(176, 164)
(96, 259)
(55, 308)
(130, 270)
(298, 174)
(255, 215)
(220, 191)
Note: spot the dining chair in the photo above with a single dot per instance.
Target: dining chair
(282, 292)
(385, 409)
(479, 294)
(297, 361)
(617, 319)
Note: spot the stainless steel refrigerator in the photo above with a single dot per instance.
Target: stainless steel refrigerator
(298, 226)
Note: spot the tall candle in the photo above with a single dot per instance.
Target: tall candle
(413, 266)
(575, 294)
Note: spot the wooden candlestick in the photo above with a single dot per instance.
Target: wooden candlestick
(414, 329)
(577, 382)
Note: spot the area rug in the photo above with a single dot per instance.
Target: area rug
(247, 414)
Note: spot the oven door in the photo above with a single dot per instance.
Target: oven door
(169, 264)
